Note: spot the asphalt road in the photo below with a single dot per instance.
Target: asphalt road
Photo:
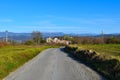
(54, 64)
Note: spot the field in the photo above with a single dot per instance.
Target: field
(112, 50)
(11, 57)
(105, 59)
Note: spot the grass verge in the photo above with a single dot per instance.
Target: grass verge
(12, 57)
(103, 62)
(112, 50)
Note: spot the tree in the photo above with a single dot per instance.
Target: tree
(29, 42)
(36, 37)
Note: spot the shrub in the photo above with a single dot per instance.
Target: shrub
(30, 42)
(2, 44)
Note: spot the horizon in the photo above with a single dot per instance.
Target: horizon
(67, 16)
(61, 32)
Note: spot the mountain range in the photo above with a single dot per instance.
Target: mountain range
(26, 36)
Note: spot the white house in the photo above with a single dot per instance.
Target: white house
(56, 40)
(49, 40)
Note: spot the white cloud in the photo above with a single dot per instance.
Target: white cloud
(6, 20)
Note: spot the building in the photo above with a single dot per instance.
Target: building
(57, 41)
(49, 40)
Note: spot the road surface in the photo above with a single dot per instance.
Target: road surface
(54, 64)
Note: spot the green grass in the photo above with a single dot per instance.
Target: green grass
(106, 59)
(11, 57)
(112, 50)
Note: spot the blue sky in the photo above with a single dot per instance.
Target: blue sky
(68, 16)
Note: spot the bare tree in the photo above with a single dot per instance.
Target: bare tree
(37, 37)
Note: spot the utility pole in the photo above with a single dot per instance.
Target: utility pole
(6, 39)
(102, 36)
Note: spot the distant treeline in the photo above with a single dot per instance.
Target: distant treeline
(37, 39)
(93, 39)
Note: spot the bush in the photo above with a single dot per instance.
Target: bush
(29, 42)
(2, 44)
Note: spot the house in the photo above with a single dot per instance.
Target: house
(49, 40)
(57, 41)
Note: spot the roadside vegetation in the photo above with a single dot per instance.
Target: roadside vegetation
(104, 58)
(12, 57)
(112, 50)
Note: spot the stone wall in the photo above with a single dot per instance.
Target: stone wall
(103, 64)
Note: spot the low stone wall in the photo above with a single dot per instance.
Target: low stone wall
(105, 65)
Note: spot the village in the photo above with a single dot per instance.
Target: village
(57, 41)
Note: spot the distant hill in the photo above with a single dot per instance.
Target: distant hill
(26, 36)
(19, 37)
(109, 35)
